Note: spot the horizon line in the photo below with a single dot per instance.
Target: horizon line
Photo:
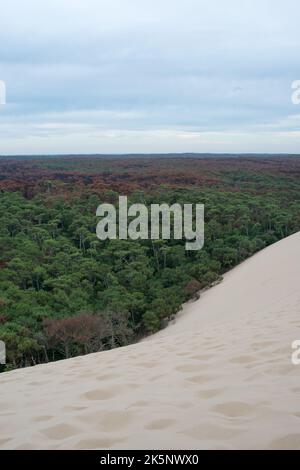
(152, 154)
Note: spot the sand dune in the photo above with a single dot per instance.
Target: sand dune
(220, 377)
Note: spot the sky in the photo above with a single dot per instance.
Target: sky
(140, 76)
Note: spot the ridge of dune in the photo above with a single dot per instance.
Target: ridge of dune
(219, 377)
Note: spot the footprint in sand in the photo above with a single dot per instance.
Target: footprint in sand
(209, 431)
(7, 413)
(147, 365)
(202, 357)
(199, 379)
(105, 377)
(139, 404)
(42, 418)
(25, 446)
(5, 441)
(99, 395)
(60, 431)
(39, 383)
(133, 386)
(243, 359)
(288, 442)
(91, 444)
(74, 408)
(159, 424)
(187, 368)
(262, 344)
(183, 354)
(153, 378)
(234, 409)
(108, 421)
(210, 393)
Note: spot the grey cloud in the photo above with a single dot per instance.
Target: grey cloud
(128, 66)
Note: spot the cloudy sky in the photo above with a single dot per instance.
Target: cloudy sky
(117, 76)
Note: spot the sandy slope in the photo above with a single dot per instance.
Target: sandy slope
(220, 377)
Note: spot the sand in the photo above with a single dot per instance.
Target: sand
(220, 377)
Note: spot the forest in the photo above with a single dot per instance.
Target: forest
(64, 293)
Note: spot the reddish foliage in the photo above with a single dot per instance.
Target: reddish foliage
(74, 176)
(192, 288)
(84, 330)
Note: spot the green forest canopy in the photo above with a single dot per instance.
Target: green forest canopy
(64, 292)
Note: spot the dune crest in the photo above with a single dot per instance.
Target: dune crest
(220, 377)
